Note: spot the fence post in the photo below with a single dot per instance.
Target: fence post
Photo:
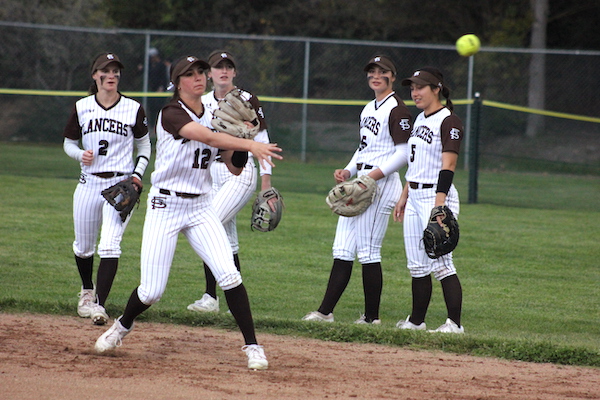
(468, 121)
(474, 150)
(146, 67)
(305, 97)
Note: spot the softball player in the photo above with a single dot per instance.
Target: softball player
(385, 125)
(231, 192)
(108, 125)
(434, 146)
(180, 202)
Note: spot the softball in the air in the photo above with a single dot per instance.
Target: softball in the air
(467, 45)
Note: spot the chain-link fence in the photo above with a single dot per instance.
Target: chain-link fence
(313, 90)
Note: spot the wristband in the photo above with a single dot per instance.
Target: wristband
(239, 158)
(444, 181)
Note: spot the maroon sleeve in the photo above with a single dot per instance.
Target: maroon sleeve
(140, 129)
(174, 118)
(73, 130)
(400, 122)
(452, 132)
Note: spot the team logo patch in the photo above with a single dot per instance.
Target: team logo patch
(404, 124)
(82, 177)
(454, 133)
(159, 202)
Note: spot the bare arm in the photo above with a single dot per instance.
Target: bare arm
(200, 133)
(449, 161)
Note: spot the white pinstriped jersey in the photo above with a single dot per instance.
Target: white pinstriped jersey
(181, 165)
(211, 103)
(382, 126)
(109, 132)
(432, 135)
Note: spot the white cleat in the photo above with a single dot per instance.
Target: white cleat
(317, 316)
(450, 327)
(363, 320)
(256, 356)
(87, 300)
(112, 338)
(206, 304)
(410, 326)
(99, 315)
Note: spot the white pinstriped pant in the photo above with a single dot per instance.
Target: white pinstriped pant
(90, 212)
(166, 217)
(416, 217)
(363, 234)
(230, 194)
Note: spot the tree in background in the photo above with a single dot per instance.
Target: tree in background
(537, 67)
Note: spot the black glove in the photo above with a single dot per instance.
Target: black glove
(123, 196)
(440, 240)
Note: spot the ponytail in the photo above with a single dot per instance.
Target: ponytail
(446, 93)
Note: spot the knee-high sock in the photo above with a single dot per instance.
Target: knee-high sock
(338, 280)
(453, 297)
(421, 293)
(211, 282)
(133, 308)
(85, 266)
(239, 305)
(372, 286)
(107, 270)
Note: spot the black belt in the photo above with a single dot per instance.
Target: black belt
(415, 185)
(107, 175)
(360, 166)
(183, 195)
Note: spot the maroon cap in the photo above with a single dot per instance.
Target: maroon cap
(219, 55)
(383, 62)
(421, 77)
(104, 59)
(183, 65)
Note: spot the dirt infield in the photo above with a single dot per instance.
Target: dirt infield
(49, 357)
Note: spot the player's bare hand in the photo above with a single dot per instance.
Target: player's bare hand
(399, 210)
(137, 183)
(88, 157)
(265, 151)
(272, 203)
(341, 175)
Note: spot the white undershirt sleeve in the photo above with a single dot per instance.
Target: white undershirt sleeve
(72, 149)
(396, 161)
(144, 150)
(352, 165)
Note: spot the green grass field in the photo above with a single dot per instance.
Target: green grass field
(528, 261)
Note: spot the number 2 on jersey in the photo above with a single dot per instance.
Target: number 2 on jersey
(102, 151)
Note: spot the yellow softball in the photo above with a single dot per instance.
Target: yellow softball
(467, 45)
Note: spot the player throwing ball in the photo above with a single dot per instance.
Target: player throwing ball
(434, 146)
(108, 125)
(180, 202)
(231, 192)
(385, 125)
